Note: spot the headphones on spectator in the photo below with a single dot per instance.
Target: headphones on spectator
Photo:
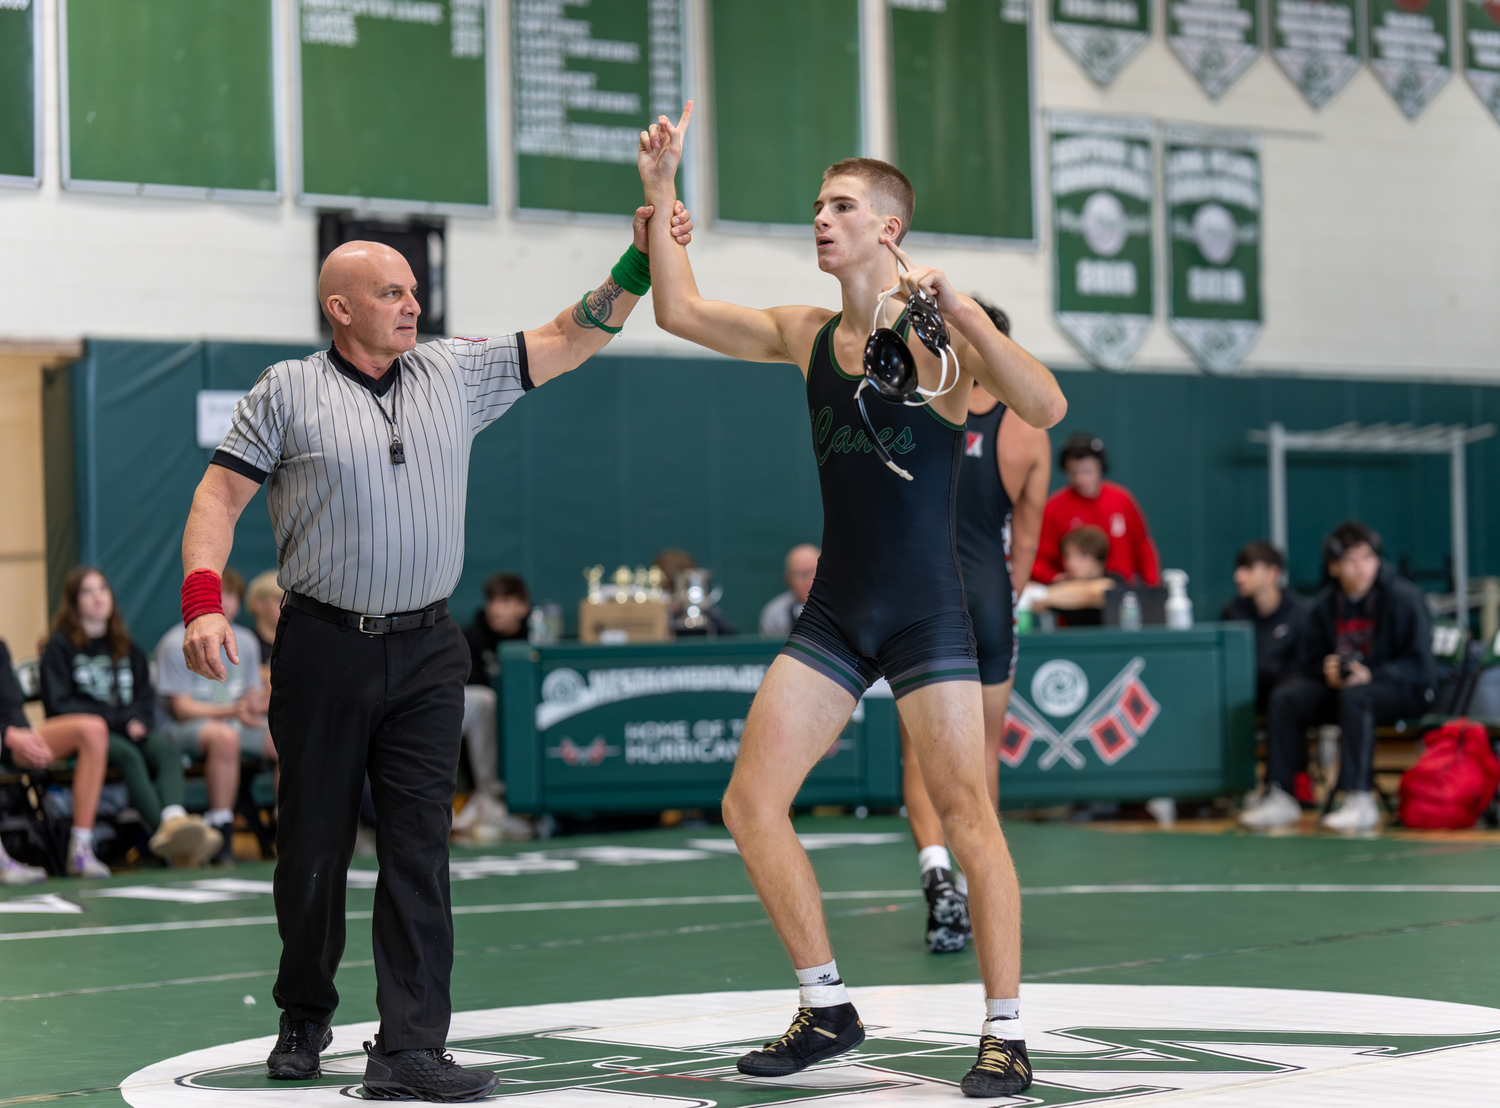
(891, 371)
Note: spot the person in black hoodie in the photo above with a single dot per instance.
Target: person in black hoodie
(1366, 659)
(507, 604)
(90, 666)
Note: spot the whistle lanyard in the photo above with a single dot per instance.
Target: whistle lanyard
(398, 451)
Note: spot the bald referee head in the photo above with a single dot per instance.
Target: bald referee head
(363, 449)
(369, 296)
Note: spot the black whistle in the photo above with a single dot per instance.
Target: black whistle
(398, 453)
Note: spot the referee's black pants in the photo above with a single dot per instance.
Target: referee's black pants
(344, 704)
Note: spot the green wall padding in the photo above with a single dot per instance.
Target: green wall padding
(626, 456)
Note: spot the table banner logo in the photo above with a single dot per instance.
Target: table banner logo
(1113, 723)
(567, 693)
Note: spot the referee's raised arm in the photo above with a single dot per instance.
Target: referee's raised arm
(581, 331)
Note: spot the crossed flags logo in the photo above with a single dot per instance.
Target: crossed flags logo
(1113, 723)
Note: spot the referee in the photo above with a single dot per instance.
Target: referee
(364, 452)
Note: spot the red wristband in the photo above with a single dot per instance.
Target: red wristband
(202, 594)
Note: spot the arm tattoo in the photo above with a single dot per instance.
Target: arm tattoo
(601, 304)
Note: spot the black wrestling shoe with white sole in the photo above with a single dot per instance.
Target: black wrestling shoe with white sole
(948, 927)
(295, 1055)
(1003, 1069)
(815, 1035)
(428, 1074)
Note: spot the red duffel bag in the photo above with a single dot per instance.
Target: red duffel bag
(1454, 779)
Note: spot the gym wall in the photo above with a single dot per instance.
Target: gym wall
(1378, 248)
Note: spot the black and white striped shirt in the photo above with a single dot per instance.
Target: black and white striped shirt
(353, 529)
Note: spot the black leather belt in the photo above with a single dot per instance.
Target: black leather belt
(369, 625)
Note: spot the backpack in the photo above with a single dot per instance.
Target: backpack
(1453, 780)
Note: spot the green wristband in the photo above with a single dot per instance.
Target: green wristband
(583, 306)
(633, 271)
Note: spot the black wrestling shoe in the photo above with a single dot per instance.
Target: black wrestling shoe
(815, 1034)
(428, 1074)
(1003, 1069)
(947, 913)
(295, 1055)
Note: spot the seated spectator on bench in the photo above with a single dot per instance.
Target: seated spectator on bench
(782, 610)
(1077, 594)
(221, 722)
(91, 667)
(1278, 614)
(1366, 660)
(25, 747)
(507, 604)
(263, 599)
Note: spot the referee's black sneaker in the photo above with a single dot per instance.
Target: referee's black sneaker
(947, 912)
(1003, 1069)
(815, 1034)
(295, 1055)
(428, 1074)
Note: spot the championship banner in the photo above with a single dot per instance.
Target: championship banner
(1102, 198)
(1409, 50)
(1316, 44)
(1101, 35)
(1212, 180)
(1481, 30)
(1216, 40)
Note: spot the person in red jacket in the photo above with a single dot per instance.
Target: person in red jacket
(1089, 500)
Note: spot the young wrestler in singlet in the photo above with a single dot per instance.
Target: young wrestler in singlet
(1002, 488)
(888, 598)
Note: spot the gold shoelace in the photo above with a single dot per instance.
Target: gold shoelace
(994, 1056)
(803, 1018)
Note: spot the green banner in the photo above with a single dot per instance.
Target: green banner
(1213, 196)
(1102, 198)
(1316, 43)
(590, 75)
(20, 104)
(1101, 35)
(1216, 40)
(1409, 50)
(1481, 29)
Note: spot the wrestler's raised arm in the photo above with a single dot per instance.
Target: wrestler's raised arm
(754, 334)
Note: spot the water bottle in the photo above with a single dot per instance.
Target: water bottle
(1179, 606)
(1130, 612)
(536, 627)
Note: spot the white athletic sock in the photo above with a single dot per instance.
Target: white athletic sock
(1002, 1018)
(822, 987)
(961, 883)
(82, 837)
(218, 817)
(172, 811)
(934, 857)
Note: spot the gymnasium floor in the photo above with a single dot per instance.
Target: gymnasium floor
(1193, 966)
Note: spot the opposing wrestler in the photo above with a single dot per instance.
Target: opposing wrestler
(888, 599)
(1002, 488)
(364, 451)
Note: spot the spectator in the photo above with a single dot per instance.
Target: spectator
(263, 598)
(672, 563)
(1077, 593)
(781, 611)
(223, 722)
(507, 604)
(91, 667)
(1089, 500)
(1366, 659)
(25, 747)
(1279, 615)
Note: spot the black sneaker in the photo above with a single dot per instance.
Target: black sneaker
(295, 1055)
(947, 913)
(1003, 1069)
(427, 1074)
(815, 1034)
(225, 854)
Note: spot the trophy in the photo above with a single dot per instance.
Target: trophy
(694, 597)
(622, 580)
(594, 575)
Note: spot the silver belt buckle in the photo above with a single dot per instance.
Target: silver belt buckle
(369, 630)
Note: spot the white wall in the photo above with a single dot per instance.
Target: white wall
(1381, 239)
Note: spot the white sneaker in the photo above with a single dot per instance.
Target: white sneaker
(1274, 810)
(1357, 813)
(82, 863)
(13, 872)
(186, 841)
